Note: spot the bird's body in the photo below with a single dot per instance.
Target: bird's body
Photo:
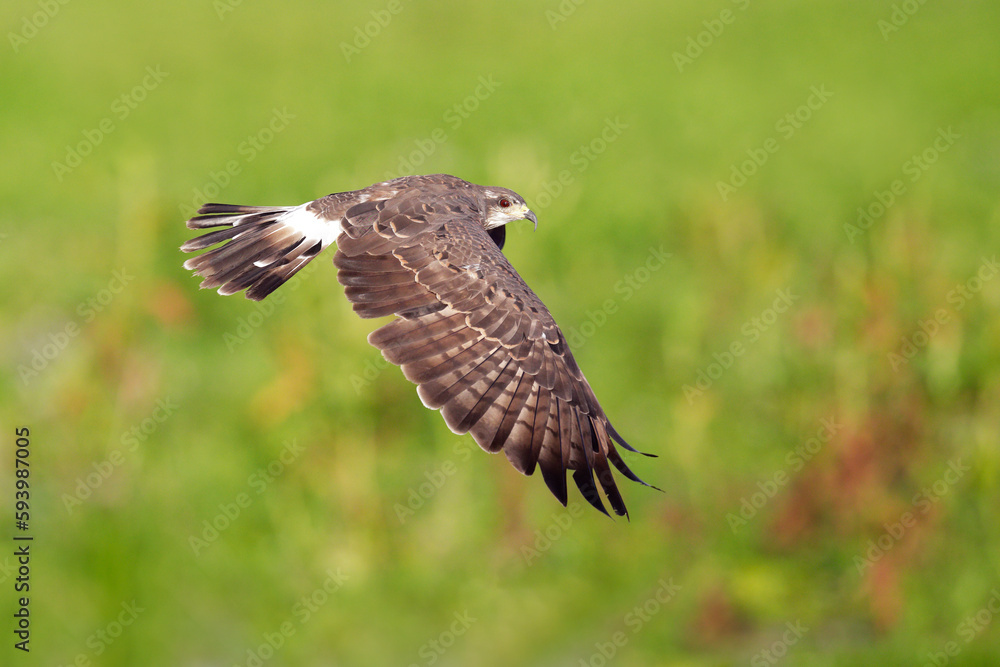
(479, 344)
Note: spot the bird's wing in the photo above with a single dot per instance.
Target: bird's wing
(480, 345)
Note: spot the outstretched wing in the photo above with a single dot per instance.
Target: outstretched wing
(480, 345)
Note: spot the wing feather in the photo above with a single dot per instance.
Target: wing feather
(478, 343)
(485, 417)
(511, 413)
(584, 478)
(439, 391)
(518, 446)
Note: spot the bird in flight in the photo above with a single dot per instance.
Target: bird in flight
(479, 344)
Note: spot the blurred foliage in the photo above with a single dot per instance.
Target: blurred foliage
(872, 537)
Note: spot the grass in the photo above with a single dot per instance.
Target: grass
(878, 535)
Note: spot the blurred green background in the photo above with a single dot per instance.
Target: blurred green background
(768, 228)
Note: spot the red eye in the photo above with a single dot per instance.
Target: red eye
(504, 202)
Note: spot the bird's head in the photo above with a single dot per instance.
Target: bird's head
(503, 206)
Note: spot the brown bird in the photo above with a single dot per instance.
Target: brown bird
(479, 344)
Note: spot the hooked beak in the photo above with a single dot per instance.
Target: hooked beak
(530, 215)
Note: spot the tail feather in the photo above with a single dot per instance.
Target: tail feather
(262, 246)
(213, 215)
(210, 239)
